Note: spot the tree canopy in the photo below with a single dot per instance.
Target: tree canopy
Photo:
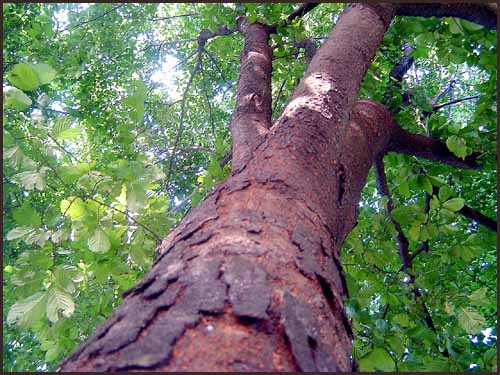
(116, 124)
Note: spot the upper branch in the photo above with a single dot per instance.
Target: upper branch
(253, 112)
(301, 11)
(481, 13)
(455, 101)
(479, 217)
(405, 142)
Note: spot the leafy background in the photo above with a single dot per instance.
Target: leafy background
(98, 169)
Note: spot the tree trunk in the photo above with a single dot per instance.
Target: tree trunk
(251, 279)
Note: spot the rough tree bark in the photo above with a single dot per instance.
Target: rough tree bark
(251, 279)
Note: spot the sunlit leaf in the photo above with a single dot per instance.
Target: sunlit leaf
(19, 232)
(59, 300)
(15, 98)
(29, 310)
(24, 77)
(99, 242)
(44, 72)
(30, 180)
(377, 360)
(454, 204)
(457, 145)
(74, 207)
(136, 197)
(470, 320)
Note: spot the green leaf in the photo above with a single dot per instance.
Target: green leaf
(28, 311)
(53, 352)
(59, 235)
(72, 172)
(23, 76)
(15, 98)
(466, 252)
(435, 365)
(448, 308)
(70, 133)
(99, 242)
(18, 232)
(38, 236)
(26, 215)
(436, 181)
(414, 232)
(454, 204)
(58, 299)
(425, 183)
(44, 72)
(30, 180)
(74, 207)
(454, 27)
(402, 319)
(470, 320)
(139, 255)
(62, 123)
(457, 145)
(136, 100)
(478, 297)
(434, 203)
(490, 357)
(432, 231)
(408, 214)
(14, 156)
(377, 360)
(469, 26)
(444, 193)
(136, 197)
(404, 189)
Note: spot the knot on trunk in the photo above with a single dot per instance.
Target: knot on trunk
(375, 121)
(372, 112)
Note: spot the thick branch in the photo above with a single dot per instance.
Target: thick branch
(310, 49)
(408, 143)
(253, 112)
(479, 217)
(479, 13)
(302, 11)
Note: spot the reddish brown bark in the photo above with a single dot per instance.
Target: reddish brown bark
(251, 279)
(252, 117)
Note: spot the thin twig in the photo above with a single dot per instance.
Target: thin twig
(402, 241)
(158, 238)
(214, 61)
(279, 95)
(185, 149)
(92, 19)
(455, 101)
(170, 17)
(204, 84)
(70, 155)
(383, 189)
